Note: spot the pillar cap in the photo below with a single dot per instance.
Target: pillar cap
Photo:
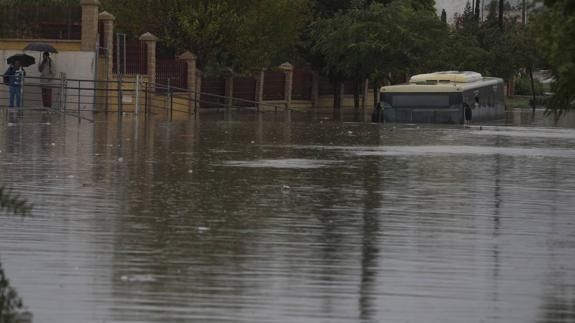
(148, 37)
(187, 56)
(89, 2)
(106, 16)
(286, 66)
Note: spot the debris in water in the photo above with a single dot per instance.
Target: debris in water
(121, 159)
(53, 144)
(190, 171)
(286, 188)
(202, 229)
(252, 142)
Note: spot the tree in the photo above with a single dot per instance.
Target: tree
(373, 41)
(241, 34)
(501, 2)
(467, 20)
(477, 9)
(11, 306)
(269, 33)
(443, 16)
(554, 29)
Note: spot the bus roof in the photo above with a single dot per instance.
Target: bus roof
(441, 82)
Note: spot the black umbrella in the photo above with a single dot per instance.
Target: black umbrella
(41, 47)
(25, 60)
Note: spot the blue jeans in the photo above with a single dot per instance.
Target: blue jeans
(15, 95)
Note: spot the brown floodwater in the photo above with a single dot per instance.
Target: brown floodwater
(149, 220)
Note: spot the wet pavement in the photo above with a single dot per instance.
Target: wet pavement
(145, 220)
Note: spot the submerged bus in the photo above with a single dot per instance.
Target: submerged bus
(441, 97)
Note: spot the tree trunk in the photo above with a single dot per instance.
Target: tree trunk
(501, 2)
(375, 92)
(476, 13)
(523, 14)
(356, 98)
(532, 88)
(336, 99)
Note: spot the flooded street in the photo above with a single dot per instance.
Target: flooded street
(242, 221)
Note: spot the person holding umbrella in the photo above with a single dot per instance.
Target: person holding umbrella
(16, 84)
(46, 69)
(14, 76)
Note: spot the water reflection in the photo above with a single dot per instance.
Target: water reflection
(145, 220)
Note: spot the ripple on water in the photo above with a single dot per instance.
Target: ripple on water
(282, 163)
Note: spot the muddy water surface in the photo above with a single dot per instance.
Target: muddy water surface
(215, 221)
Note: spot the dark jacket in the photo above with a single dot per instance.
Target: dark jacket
(14, 76)
(8, 75)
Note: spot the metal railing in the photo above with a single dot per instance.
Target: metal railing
(133, 95)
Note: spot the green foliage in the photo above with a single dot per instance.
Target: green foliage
(241, 34)
(269, 33)
(466, 53)
(371, 40)
(10, 303)
(486, 48)
(523, 87)
(554, 29)
(11, 203)
(389, 38)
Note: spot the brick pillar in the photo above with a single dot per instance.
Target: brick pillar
(89, 24)
(288, 70)
(150, 41)
(190, 59)
(108, 21)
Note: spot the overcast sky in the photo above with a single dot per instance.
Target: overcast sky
(453, 6)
